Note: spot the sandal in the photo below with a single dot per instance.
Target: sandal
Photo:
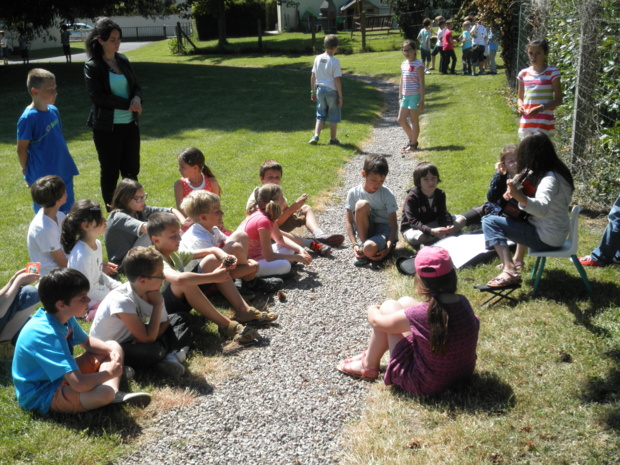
(505, 279)
(257, 318)
(239, 333)
(518, 266)
(406, 146)
(410, 148)
(366, 374)
(355, 358)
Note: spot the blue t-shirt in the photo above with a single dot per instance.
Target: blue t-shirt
(466, 40)
(493, 41)
(43, 355)
(48, 153)
(422, 36)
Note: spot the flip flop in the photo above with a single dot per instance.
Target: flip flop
(502, 281)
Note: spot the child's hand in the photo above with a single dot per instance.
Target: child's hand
(187, 223)
(303, 257)
(115, 368)
(358, 251)
(313, 96)
(22, 278)
(154, 298)
(521, 110)
(451, 230)
(300, 201)
(109, 268)
(439, 232)
(230, 262)
(219, 275)
(500, 167)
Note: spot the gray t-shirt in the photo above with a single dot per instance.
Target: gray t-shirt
(382, 202)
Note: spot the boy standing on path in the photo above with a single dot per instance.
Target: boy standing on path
(41, 146)
(326, 90)
(45, 374)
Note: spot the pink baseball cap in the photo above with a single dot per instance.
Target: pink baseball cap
(433, 262)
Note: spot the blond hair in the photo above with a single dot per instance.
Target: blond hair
(198, 202)
(264, 199)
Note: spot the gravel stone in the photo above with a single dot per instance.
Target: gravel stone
(285, 402)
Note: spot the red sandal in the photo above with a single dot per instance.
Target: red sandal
(366, 374)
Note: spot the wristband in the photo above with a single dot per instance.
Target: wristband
(313, 92)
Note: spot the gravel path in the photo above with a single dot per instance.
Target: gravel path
(284, 402)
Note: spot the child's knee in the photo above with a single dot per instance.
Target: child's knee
(238, 236)
(307, 209)
(362, 206)
(209, 263)
(370, 248)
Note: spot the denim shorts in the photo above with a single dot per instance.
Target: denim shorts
(378, 233)
(26, 298)
(411, 102)
(327, 105)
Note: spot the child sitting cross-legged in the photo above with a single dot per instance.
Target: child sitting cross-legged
(181, 289)
(80, 239)
(45, 374)
(425, 216)
(134, 315)
(205, 210)
(432, 344)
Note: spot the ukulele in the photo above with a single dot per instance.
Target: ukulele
(521, 182)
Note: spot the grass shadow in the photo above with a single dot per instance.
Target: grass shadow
(483, 392)
(605, 391)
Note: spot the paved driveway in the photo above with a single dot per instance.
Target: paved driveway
(78, 57)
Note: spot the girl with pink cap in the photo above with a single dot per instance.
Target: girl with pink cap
(432, 344)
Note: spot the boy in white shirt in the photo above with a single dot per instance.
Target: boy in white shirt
(45, 229)
(326, 90)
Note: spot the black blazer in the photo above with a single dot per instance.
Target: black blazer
(98, 87)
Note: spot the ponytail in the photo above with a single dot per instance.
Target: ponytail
(264, 199)
(83, 211)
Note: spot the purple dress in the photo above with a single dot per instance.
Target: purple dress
(416, 369)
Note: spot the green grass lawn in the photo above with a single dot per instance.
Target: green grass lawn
(524, 405)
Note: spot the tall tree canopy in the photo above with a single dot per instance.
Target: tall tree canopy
(37, 15)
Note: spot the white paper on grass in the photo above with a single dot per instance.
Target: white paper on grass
(466, 249)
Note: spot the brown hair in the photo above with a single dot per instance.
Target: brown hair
(37, 76)
(264, 199)
(82, 211)
(194, 157)
(141, 262)
(48, 190)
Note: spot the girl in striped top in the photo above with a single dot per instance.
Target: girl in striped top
(539, 91)
(411, 95)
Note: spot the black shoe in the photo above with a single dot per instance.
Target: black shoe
(266, 285)
(242, 287)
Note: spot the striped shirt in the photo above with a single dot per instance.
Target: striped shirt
(409, 77)
(537, 90)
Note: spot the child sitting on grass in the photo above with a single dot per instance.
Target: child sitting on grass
(425, 217)
(181, 289)
(297, 214)
(197, 176)
(432, 344)
(261, 227)
(45, 374)
(17, 302)
(127, 221)
(134, 315)
(371, 214)
(205, 210)
(45, 229)
(80, 240)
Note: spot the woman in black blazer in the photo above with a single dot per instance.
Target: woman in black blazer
(117, 104)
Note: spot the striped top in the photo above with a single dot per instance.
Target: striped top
(409, 77)
(537, 90)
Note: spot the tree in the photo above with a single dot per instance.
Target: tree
(34, 16)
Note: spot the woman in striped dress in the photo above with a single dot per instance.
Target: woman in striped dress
(539, 91)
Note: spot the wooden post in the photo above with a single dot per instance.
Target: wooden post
(260, 35)
(586, 79)
(363, 28)
(179, 38)
(313, 30)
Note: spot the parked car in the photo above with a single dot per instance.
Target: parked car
(79, 31)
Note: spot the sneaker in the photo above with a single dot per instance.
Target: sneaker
(171, 366)
(588, 261)
(140, 399)
(432, 68)
(266, 285)
(320, 249)
(242, 287)
(181, 354)
(335, 240)
(334, 142)
(427, 72)
(361, 261)
(314, 140)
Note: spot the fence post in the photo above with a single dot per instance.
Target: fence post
(260, 35)
(586, 79)
(363, 29)
(179, 38)
(313, 30)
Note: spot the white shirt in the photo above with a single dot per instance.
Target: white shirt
(44, 238)
(108, 326)
(89, 263)
(198, 237)
(326, 68)
(382, 202)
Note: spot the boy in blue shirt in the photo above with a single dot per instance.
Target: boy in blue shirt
(45, 374)
(41, 146)
(371, 214)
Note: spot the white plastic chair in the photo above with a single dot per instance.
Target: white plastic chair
(568, 250)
